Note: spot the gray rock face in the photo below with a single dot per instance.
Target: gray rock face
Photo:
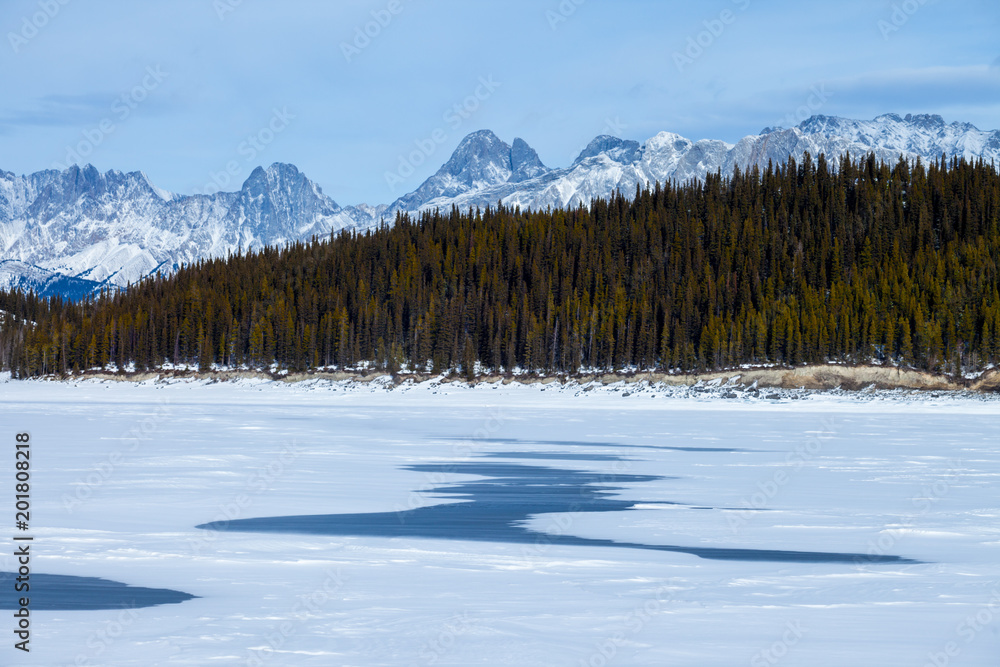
(619, 150)
(524, 162)
(608, 163)
(481, 162)
(116, 228)
(113, 229)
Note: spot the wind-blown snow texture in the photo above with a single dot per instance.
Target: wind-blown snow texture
(114, 229)
(122, 474)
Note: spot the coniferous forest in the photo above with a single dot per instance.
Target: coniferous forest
(800, 263)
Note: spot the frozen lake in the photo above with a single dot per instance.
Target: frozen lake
(498, 505)
(511, 526)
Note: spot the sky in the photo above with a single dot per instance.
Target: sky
(369, 98)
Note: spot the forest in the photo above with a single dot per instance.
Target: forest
(800, 263)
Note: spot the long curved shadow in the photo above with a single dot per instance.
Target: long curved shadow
(57, 592)
(498, 507)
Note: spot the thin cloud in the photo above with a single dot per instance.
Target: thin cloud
(970, 86)
(77, 111)
(58, 110)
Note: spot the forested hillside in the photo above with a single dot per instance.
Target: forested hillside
(799, 264)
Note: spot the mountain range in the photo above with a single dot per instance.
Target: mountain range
(76, 231)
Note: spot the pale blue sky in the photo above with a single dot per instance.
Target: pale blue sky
(175, 88)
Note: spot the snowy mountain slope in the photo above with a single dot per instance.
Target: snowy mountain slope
(18, 275)
(116, 228)
(610, 164)
(18, 192)
(482, 162)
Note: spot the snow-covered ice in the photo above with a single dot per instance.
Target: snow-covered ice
(122, 474)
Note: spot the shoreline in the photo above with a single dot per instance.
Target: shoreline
(823, 377)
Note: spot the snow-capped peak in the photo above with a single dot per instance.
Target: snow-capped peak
(114, 228)
(160, 192)
(481, 161)
(619, 150)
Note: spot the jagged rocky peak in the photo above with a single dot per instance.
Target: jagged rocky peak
(118, 227)
(283, 172)
(88, 180)
(284, 181)
(668, 141)
(929, 121)
(832, 125)
(481, 161)
(77, 179)
(480, 158)
(90, 191)
(481, 144)
(277, 174)
(894, 117)
(619, 150)
(115, 228)
(257, 180)
(524, 162)
(820, 124)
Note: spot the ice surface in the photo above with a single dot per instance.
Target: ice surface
(497, 505)
(123, 473)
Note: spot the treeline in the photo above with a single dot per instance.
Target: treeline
(799, 264)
